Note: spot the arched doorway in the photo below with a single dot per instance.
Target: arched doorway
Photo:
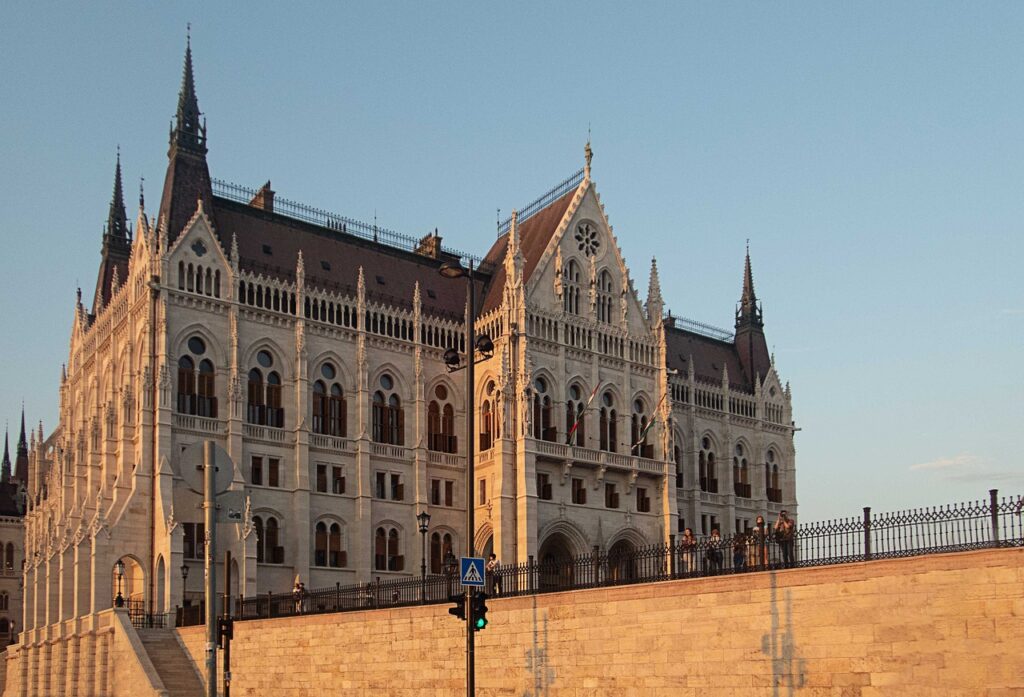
(557, 567)
(129, 584)
(622, 562)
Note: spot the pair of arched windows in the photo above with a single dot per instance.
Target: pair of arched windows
(741, 473)
(327, 546)
(441, 423)
(388, 417)
(264, 393)
(607, 423)
(543, 428)
(490, 429)
(604, 297)
(772, 485)
(196, 388)
(268, 540)
(639, 425)
(440, 549)
(571, 288)
(575, 421)
(329, 410)
(707, 467)
(199, 280)
(386, 556)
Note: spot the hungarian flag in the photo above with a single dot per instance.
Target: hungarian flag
(579, 415)
(649, 426)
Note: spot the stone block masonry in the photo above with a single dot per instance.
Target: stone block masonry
(950, 624)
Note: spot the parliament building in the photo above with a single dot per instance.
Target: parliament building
(311, 348)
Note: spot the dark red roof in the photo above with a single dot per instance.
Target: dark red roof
(390, 274)
(534, 235)
(709, 357)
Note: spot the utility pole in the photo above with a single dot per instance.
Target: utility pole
(210, 516)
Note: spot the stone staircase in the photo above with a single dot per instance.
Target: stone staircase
(172, 664)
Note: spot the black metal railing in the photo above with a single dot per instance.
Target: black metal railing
(556, 192)
(327, 219)
(141, 619)
(952, 528)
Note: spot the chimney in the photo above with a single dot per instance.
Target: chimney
(264, 198)
(430, 245)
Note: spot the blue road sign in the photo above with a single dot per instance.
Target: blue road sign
(472, 571)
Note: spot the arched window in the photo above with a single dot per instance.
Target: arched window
(677, 458)
(605, 293)
(543, 429)
(490, 429)
(9, 556)
(268, 547)
(386, 556)
(740, 473)
(571, 287)
(440, 547)
(329, 411)
(264, 398)
(575, 423)
(441, 423)
(335, 556)
(773, 489)
(708, 476)
(196, 390)
(388, 417)
(320, 544)
(608, 417)
(638, 431)
(5, 601)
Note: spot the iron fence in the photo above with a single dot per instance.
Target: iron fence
(141, 619)
(952, 528)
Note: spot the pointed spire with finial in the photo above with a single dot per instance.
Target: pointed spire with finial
(142, 194)
(588, 155)
(749, 312)
(188, 132)
(655, 303)
(117, 220)
(21, 457)
(5, 468)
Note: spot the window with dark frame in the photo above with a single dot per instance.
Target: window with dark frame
(273, 472)
(544, 486)
(643, 501)
(256, 471)
(321, 478)
(337, 480)
(579, 491)
(611, 496)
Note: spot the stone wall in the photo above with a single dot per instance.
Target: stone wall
(938, 625)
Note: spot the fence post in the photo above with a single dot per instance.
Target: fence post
(270, 604)
(993, 496)
(672, 555)
(867, 533)
(595, 564)
(530, 570)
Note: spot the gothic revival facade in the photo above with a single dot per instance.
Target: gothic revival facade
(311, 348)
(12, 534)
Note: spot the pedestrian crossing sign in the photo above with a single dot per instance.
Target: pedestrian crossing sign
(472, 571)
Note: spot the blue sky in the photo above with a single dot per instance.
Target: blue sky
(871, 152)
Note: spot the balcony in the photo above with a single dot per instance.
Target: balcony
(271, 435)
(598, 458)
(197, 424)
(320, 441)
(393, 452)
(742, 490)
(709, 485)
(774, 495)
(450, 459)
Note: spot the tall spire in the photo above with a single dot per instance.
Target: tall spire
(188, 175)
(117, 222)
(21, 459)
(188, 133)
(5, 468)
(655, 303)
(748, 314)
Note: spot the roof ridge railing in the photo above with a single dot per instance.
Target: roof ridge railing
(549, 197)
(327, 219)
(702, 328)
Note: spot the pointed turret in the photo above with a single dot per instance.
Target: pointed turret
(188, 176)
(750, 341)
(655, 303)
(5, 466)
(21, 458)
(117, 243)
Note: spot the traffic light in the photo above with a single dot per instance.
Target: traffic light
(225, 631)
(459, 610)
(479, 606)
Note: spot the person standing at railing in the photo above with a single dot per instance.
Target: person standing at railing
(493, 581)
(757, 545)
(739, 552)
(688, 551)
(785, 534)
(299, 595)
(713, 555)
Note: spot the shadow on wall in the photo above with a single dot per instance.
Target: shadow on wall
(780, 646)
(541, 675)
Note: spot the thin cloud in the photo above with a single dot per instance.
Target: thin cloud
(945, 463)
(1012, 311)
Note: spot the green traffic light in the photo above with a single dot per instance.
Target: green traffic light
(481, 622)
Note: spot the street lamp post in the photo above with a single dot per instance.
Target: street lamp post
(424, 520)
(119, 600)
(451, 359)
(184, 583)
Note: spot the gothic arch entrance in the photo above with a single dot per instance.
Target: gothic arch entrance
(557, 568)
(622, 562)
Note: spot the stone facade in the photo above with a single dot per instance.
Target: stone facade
(311, 348)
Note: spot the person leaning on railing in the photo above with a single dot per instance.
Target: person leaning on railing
(785, 535)
(713, 553)
(687, 549)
